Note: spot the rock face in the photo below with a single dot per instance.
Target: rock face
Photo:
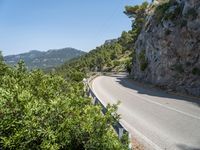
(168, 48)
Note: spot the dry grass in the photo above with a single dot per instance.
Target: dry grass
(136, 145)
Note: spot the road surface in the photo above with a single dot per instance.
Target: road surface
(159, 120)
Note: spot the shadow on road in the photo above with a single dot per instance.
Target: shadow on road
(151, 90)
(185, 147)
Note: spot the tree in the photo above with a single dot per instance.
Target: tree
(1, 56)
(138, 14)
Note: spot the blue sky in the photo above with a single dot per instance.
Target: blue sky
(50, 24)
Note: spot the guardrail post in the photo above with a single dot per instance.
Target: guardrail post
(121, 132)
(129, 138)
(93, 100)
(89, 94)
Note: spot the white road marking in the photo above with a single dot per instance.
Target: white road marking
(167, 107)
(142, 97)
(127, 126)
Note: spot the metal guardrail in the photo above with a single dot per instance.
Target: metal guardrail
(118, 127)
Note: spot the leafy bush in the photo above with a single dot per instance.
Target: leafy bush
(173, 15)
(196, 71)
(1, 56)
(138, 13)
(161, 10)
(167, 32)
(143, 61)
(129, 66)
(40, 111)
(183, 23)
(178, 68)
(192, 13)
(116, 63)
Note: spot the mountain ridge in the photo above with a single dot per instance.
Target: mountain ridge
(51, 58)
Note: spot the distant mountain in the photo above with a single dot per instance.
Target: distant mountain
(44, 60)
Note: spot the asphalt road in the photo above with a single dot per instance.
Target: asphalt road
(157, 119)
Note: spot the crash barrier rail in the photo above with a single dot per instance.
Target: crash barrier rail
(118, 127)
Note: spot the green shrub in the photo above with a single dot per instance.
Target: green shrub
(40, 111)
(178, 68)
(168, 32)
(196, 71)
(128, 65)
(143, 61)
(183, 23)
(192, 13)
(161, 10)
(116, 63)
(173, 15)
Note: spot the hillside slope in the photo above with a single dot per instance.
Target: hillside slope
(113, 55)
(43, 60)
(167, 49)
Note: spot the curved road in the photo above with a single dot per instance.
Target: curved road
(157, 119)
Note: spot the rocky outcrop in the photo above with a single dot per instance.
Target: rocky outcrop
(168, 47)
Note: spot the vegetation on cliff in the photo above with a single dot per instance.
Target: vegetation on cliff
(167, 49)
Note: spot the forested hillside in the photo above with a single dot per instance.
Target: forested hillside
(111, 56)
(44, 60)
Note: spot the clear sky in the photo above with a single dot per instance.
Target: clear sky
(50, 24)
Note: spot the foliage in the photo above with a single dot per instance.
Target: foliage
(1, 56)
(143, 61)
(192, 13)
(178, 67)
(183, 23)
(163, 11)
(44, 111)
(104, 58)
(174, 14)
(129, 66)
(126, 39)
(168, 32)
(196, 71)
(138, 13)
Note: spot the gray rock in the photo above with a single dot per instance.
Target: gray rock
(172, 50)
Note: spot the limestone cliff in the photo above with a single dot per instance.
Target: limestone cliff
(167, 50)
